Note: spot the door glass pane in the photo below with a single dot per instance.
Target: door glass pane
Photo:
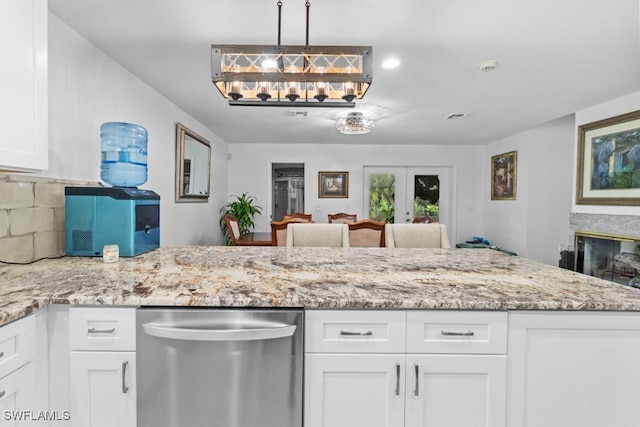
(382, 197)
(426, 196)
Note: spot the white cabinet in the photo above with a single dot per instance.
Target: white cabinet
(574, 369)
(103, 387)
(21, 394)
(23, 85)
(397, 368)
(102, 367)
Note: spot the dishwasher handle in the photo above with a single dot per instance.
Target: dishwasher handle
(190, 334)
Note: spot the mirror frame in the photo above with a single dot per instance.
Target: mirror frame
(182, 133)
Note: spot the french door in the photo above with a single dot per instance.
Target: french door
(399, 194)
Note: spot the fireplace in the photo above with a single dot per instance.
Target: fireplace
(611, 257)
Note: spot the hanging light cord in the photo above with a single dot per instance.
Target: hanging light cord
(308, 6)
(279, 19)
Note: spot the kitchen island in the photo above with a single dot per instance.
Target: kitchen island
(522, 343)
(374, 278)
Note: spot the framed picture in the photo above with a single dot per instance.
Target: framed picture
(609, 161)
(333, 184)
(504, 176)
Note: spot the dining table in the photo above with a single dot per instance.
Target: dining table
(258, 238)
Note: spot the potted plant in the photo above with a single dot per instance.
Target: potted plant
(243, 208)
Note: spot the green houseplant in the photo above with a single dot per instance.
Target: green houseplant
(243, 208)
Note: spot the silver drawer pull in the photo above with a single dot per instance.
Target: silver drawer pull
(102, 331)
(397, 379)
(2, 393)
(125, 389)
(363, 334)
(457, 334)
(416, 390)
(1, 354)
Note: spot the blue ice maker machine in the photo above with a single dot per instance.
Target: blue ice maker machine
(97, 216)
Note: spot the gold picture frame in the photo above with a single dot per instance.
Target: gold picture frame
(333, 184)
(608, 169)
(504, 176)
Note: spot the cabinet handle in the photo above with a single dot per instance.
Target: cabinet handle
(367, 334)
(125, 389)
(2, 393)
(102, 331)
(397, 379)
(416, 390)
(457, 334)
(1, 354)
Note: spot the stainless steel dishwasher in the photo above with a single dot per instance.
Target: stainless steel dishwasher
(219, 367)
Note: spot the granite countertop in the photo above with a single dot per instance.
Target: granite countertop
(480, 279)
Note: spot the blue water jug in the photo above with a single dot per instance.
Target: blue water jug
(124, 154)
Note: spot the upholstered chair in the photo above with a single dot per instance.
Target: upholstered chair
(318, 235)
(298, 215)
(416, 236)
(279, 231)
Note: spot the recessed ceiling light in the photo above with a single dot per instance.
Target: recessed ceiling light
(390, 63)
(488, 65)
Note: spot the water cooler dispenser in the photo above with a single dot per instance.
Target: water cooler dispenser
(122, 215)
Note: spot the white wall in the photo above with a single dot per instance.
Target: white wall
(537, 222)
(612, 108)
(87, 88)
(250, 171)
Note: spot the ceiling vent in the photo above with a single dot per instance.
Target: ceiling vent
(457, 116)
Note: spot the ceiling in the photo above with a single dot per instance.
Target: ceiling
(554, 57)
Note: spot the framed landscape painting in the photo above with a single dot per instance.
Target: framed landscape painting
(333, 184)
(609, 161)
(503, 176)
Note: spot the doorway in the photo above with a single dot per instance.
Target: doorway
(399, 194)
(287, 189)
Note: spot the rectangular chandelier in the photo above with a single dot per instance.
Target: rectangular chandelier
(309, 76)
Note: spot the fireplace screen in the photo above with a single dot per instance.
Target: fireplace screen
(611, 258)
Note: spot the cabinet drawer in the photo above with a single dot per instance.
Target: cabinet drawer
(17, 344)
(349, 331)
(102, 329)
(463, 332)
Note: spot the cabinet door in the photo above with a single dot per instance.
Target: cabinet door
(103, 389)
(23, 85)
(456, 390)
(574, 369)
(18, 398)
(354, 390)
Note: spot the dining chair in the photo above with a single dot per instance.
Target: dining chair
(366, 233)
(342, 218)
(234, 230)
(416, 236)
(317, 235)
(279, 230)
(422, 219)
(298, 215)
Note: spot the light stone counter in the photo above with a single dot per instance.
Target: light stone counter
(309, 277)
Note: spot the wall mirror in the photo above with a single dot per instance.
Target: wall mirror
(193, 166)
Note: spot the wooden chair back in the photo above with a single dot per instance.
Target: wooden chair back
(279, 231)
(366, 233)
(298, 215)
(342, 218)
(233, 227)
(426, 219)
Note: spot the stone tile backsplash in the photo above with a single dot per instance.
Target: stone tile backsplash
(32, 217)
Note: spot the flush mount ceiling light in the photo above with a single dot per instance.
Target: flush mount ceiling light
(354, 123)
(308, 76)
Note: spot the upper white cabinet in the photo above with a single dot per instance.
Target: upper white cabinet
(23, 85)
(573, 369)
